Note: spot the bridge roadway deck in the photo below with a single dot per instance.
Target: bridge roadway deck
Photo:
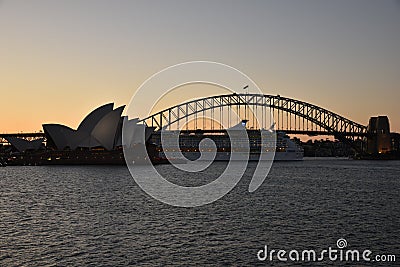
(299, 132)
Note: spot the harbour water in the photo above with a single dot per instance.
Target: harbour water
(98, 216)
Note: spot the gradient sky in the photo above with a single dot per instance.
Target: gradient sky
(61, 59)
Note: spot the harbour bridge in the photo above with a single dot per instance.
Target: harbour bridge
(259, 111)
(216, 113)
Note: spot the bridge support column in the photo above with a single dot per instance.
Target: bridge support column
(379, 140)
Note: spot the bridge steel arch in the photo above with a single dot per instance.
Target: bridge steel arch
(303, 113)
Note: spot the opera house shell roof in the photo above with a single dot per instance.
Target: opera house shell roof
(101, 128)
(23, 145)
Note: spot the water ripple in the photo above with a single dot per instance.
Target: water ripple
(98, 216)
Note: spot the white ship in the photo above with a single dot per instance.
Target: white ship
(216, 145)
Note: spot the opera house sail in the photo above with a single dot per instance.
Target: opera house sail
(23, 145)
(98, 129)
(97, 140)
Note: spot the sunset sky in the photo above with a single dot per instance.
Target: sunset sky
(61, 59)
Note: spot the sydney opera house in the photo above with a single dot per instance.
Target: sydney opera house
(98, 136)
(101, 128)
